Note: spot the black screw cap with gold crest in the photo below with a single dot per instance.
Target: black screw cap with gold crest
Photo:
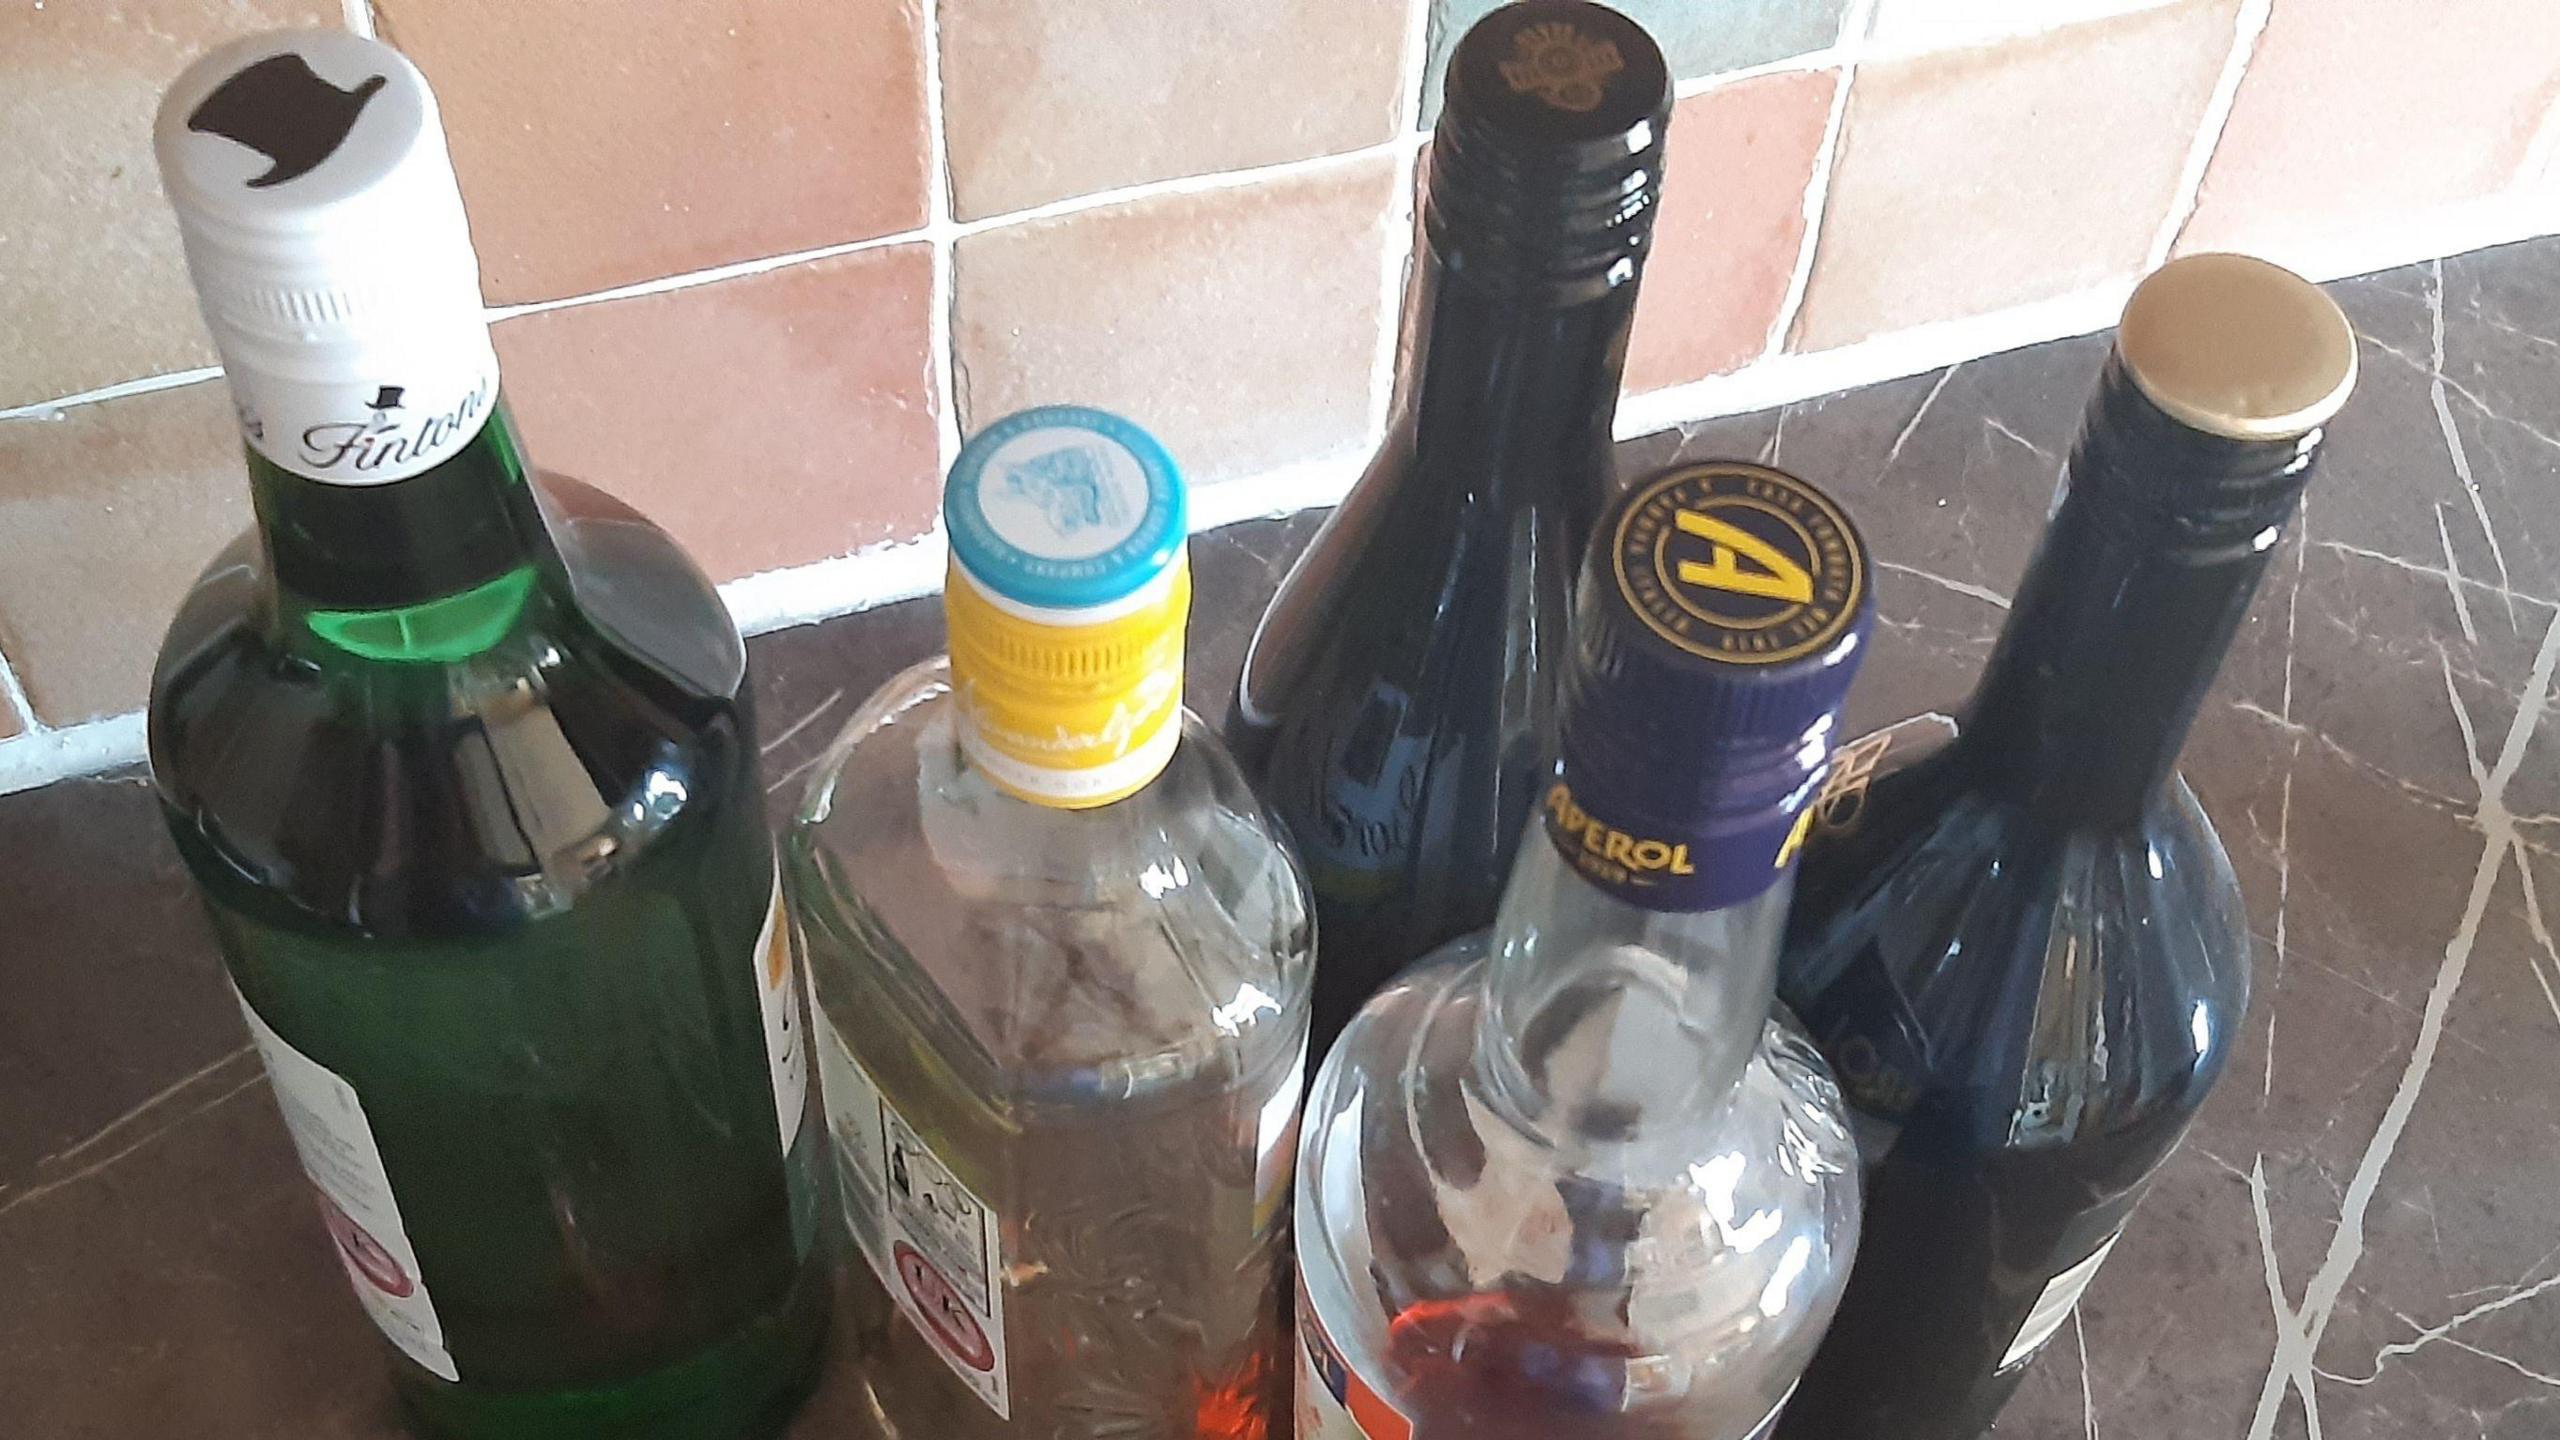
(1547, 163)
(1723, 612)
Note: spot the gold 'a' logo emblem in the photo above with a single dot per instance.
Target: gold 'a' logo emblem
(1773, 576)
(1562, 66)
(1739, 563)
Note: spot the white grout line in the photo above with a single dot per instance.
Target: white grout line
(1817, 191)
(2445, 232)
(1837, 53)
(831, 587)
(2452, 230)
(1187, 185)
(1780, 379)
(41, 757)
(13, 699)
(898, 570)
(52, 409)
(870, 577)
(1300, 485)
(1998, 32)
(2249, 23)
(711, 276)
(938, 226)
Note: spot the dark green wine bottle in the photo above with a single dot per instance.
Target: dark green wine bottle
(466, 772)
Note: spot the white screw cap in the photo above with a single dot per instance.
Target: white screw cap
(326, 237)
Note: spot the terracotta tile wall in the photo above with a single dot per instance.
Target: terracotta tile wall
(758, 264)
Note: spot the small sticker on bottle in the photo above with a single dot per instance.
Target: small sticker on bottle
(2061, 1293)
(936, 1246)
(778, 996)
(335, 1142)
(1334, 1403)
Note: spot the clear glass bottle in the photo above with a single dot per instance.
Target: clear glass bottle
(1061, 962)
(1571, 1179)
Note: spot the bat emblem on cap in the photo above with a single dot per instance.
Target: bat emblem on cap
(281, 109)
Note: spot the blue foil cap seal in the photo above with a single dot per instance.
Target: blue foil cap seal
(1064, 508)
(1723, 611)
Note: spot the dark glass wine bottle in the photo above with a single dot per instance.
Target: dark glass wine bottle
(2025, 953)
(466, 774)
(1397, 705)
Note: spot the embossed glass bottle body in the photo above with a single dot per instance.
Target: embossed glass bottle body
(1061, 1035)
(2025, 951)
(1397, 707)
(1571, 1181)
(465, 771)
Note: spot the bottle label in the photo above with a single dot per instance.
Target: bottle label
(1047, 733)
(335, 1142)
(778, 997)
(1106, 753)
(377, 429)
(936, 1246)
(1334, 1403)
(1660, 866)
(2061, 1294)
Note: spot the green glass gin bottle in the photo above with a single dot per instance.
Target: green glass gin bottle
(465, 769)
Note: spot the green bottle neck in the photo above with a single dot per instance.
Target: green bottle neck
(431, 569)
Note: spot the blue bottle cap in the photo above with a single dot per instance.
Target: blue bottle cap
(1064, 508)
(1724, 609)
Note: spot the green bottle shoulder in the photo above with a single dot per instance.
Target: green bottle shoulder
(598, 718)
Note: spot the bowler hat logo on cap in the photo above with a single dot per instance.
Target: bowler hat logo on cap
(280, 108)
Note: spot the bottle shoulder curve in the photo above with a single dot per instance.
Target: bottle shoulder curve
(450, 796)
(2010, 985)
(1151, 942)
(641, 590)
(1418, 1199)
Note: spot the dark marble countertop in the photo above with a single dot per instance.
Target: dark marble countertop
(2364, 1223)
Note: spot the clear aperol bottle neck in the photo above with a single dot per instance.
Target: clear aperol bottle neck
(1615, 1030)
